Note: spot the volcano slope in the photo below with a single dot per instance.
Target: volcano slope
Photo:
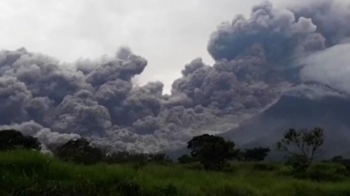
(306, 105)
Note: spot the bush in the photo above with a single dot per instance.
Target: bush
(10, 139)
(232, 190)
(169, 190)
(137, 165)
(129, 188)
(24, 172)
(324, 173)
(159, 158)
(263, 167)
(212, 151)
(79, 151)
(228, 168)
(255, 154)
(284, 171)
(301, 146)
(340, 160)
(125, 157)
(138, 160)
(195, 166)
(185, 159)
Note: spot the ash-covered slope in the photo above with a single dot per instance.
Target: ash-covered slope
(306, 105)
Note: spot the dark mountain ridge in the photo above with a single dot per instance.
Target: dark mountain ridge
(306, 105)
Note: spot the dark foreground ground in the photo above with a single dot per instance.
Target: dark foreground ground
(31, 173)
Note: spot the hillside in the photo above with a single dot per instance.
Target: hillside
(305, 106)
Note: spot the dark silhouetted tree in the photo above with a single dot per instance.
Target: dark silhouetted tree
(126, 157)
(184, 159)
(301, 147)
(255, 154)
(341, 160)
(212, 151)
(11, 139)
(79, 151)
(159, 158)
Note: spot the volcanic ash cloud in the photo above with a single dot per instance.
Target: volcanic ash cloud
(96, 99)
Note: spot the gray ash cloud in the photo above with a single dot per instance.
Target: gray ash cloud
(97, 99)
(279, 34)
(331, 18)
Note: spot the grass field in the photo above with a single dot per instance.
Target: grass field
(31, 173)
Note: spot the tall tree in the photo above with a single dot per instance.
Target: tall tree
(301, 146)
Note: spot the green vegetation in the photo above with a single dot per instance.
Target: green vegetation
(10, 139)
(301, 147)
(215, 167)
(79, 151)
(212, 152)
(31, 173)
(255, 154)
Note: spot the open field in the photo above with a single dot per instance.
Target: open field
(31, 173)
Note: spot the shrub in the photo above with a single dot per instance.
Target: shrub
(125, 157)
(324, 173)
(301, 146)
(232, 190)
(185, 159)
(10, 139)
(137, 160)
(137, 165)
(169, 190)
(129, 188)
(195, 166)
(79, 151)
(340, 160)
(212, 151)
(263, 167)
(255, 154)
(228, 168)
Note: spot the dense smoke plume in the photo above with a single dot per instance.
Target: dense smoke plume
(331, 18)
(278, 34)
(255, 64)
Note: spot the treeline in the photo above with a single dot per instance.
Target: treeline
(78, 151)
(211, 152)
(298, 146)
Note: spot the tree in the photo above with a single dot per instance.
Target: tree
(255, 154)
(211, 151)
(10, 139)
(184, 159)
(341, 160)
(159, 158)
(79, 151)
(337, 159)
(126, 157)
(301, 147)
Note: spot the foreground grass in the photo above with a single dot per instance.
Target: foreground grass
(31, 173)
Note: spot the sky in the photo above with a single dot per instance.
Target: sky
(168, 33)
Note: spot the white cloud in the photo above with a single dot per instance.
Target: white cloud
(331, 67)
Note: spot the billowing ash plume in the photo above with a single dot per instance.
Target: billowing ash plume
(44, 135)
(331, 18)
(96, 99)
(278, 33)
